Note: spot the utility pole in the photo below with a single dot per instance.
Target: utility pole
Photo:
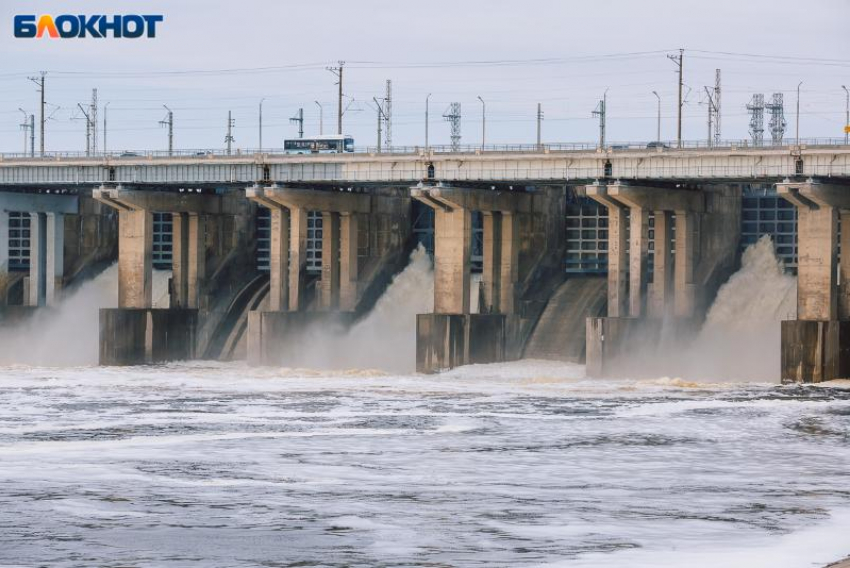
(388, 117)
(380, 117)
(483, 121)
(105, 107)
(321, 118)
(713, 115)
(87, 118)
(539, 126)
(798, 112)
(338, 72)
(40, 82)
(427, 99)
(600, 112)
(261, 124)
(846, 114)
(299, 118)
(678, 61)
(658, 121)
(93, 115)
(717, 135)
(169, 122)
(25, 126)
(229, 138)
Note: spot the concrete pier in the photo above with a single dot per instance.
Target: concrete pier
(816, 346)
(363, 238)
(156, 334)
(707, 230)
(521, 234)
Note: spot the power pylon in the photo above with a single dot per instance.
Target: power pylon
(452, 115)
(777, 123)
(756, 109)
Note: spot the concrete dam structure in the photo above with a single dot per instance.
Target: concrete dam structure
(578, 255)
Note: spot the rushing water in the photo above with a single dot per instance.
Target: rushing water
(517, 464)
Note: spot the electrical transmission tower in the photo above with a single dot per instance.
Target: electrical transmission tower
(169, 122)
(452, 115)
(777, 123)
(299, 119)
(388, 117)
(229, 138)
(756, 110)
(600, 112)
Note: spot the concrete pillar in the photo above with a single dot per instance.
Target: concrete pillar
(135, 241)
(817, 230)
(55, 258)
(662, 269)
(617, 271)
(349, 268)
(638, 254)
(684, 297)
(196, 260)
(509, 279)
(279, 260)
(844, 268)
(492, 269)
(297, 257)
(329, 286)
(4, 256)
(179, 260)
(38, 260)
(452, 251)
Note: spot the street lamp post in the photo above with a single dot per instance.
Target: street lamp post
(426, 120)
(658, 127)
(798, 112)
(846, 114)
(483, 121)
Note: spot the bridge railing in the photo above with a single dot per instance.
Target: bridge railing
(614, 147)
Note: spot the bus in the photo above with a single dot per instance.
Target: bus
(331, 144)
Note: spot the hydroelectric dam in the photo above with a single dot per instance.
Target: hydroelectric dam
(563, 252)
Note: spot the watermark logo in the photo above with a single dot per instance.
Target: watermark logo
(80, 26)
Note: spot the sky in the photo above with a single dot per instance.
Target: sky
(212, 57)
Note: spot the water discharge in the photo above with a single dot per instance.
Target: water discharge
(68, 335)
(386, 338)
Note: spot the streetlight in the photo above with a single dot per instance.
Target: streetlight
(483, 120)
(321, 118)
(261, 124)
(426, 121)
(846, 114)
(798, 112)
(658, 135)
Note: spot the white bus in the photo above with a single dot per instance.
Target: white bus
(331, 144)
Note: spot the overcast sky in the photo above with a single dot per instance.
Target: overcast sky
(514, 54)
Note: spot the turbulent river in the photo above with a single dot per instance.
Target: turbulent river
(517, 464)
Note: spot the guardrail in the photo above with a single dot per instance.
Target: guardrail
(435, 149)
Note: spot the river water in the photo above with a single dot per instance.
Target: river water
(516, 464)
(520, 464)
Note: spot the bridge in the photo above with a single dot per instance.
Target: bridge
(734, 160)
(264, 246)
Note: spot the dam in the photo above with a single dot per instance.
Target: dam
(551, 252)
